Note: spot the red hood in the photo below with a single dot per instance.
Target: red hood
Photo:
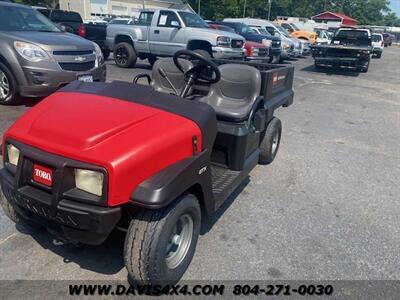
(119, 135)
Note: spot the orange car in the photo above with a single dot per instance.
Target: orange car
(295, 32)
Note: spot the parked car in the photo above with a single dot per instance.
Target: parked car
(37, 58)
(387, 39)
(156, 167)
(287, 43)
(324, 37)
(350, 48)
(377, 44)
(272, 42)
(297, 33)
(162, 32)
(254, 50)
(72, 22)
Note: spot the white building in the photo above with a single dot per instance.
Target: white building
(91, 8)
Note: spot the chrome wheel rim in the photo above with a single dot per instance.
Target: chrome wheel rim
(4, 86)
(275, 142)
(179, 241)
(121, 55)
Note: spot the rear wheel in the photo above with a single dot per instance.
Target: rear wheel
(160, 244)
(379, 55)
(8, 86)
(106, 54)
(152, 59)
(270, 144)
(125, 55)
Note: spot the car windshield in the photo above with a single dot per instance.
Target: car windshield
(262, 31)
(245, 29)
(376, 38)
(283, 31)
(17, 18)
(193, 20)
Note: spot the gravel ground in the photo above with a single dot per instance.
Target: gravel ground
(327, 208)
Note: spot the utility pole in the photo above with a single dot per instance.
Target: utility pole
(199, 8)
(244, 8)
(269, 9)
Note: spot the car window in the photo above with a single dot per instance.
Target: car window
(192, 20)
(352, 34)
(376, 38)
(168, 19)
(145, 18)
(65, 16)
(13, 18)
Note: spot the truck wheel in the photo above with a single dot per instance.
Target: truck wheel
(379, 55)
(125, 55)
(106, 54)
(160, 244)
(8, 86)
(152, 59)
(203, 53)
(270, 143)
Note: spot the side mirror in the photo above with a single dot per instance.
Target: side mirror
(175, 24)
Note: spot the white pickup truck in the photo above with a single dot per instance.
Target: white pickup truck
(162, 32)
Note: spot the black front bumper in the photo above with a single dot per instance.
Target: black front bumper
(74, 221)
(73, 214)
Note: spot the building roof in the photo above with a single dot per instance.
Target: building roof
(334, 16)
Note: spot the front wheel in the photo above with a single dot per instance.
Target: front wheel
(160, 244)
(270, 143)
(125, 55)
(8, 86)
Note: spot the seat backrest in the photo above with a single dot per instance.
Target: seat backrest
(234, 95)
(177, 78)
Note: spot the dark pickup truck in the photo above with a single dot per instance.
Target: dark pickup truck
(73, 23)
(350, 49)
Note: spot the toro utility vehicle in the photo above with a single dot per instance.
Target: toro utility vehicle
(152, 160)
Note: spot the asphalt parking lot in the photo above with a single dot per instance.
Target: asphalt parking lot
(327, 208)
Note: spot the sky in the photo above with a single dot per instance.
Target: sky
(395, 5)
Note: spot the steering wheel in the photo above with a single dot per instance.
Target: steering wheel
(199, 71)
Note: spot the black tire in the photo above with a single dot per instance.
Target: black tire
(106, 54)
(379, 55)
(203, 53)
(364, 69)
(149, 235)
(270, 143)
(152, 59)
(125, 55)
(7, 79)
(10, 212)
(317, 66)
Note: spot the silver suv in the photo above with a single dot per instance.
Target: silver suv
(36, 57)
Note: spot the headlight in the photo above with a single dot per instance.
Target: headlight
(99, 55)
(89, 181)
(223, 41)
(31, 52)
(285, 45)
(266, 42)
(12, 154)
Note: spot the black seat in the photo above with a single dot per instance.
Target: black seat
(176, 77)
(234, 95)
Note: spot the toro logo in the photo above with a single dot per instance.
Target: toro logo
(274, 79)
(42, 175)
